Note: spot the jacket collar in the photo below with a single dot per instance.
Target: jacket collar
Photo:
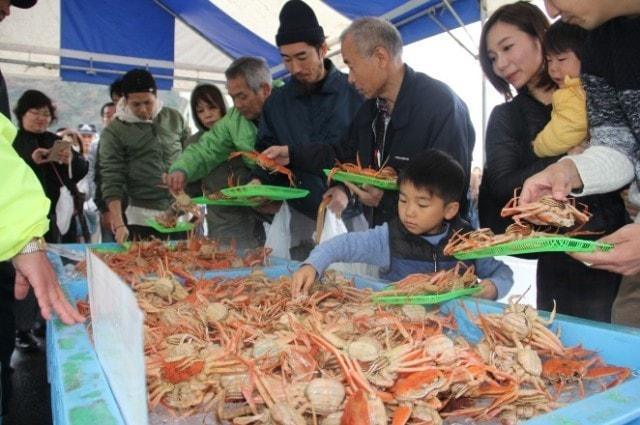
(404, 103)
(123, 113)
(329, 85)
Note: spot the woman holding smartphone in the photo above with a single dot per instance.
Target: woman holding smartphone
(54, 167)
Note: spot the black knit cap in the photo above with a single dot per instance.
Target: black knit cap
(138, 81)
(298, 23)
(23, 4)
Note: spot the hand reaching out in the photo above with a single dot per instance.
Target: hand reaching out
(302, 280)
(121, 233)
(339, 200)
(624, 258)
(488, 291)
(279, 154)
(35, 269)
(175, 181)
(368, 195)
(557, 180)
(40, 156)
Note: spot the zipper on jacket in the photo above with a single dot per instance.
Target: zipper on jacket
(435, 262)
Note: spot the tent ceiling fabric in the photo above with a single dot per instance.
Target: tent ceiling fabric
(187, 41)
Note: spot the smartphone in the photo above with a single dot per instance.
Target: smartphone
(59, 146)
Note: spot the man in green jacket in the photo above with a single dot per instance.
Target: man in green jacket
(249, 85)
(135, 150)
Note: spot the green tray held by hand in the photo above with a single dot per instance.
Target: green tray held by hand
(425, 299)
(228, 202)
(344, 176)
(273, 193)
(536, 244)
(180, 227)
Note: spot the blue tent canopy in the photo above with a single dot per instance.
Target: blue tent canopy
(197, 39)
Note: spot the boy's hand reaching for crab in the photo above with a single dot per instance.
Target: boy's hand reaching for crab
(488, 291)
(302, 280)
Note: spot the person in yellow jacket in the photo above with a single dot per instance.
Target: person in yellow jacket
(23, 221)
(566, 132)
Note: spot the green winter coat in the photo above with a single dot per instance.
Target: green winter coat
(232, 133)
(133, 157)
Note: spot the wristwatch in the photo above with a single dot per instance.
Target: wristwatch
(35, 245)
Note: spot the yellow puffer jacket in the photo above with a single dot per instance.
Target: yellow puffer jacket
(568, 125)
(23, 204)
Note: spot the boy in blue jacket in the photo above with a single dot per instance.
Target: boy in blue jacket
(430, 187)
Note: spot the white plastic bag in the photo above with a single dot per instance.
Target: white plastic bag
(278, 233)
(64, 210)
(334, 226)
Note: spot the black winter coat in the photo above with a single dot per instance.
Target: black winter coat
(299, 118)
(427, 115)
(509, 157)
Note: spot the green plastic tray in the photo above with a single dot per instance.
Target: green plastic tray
(229, 202)
(273, 193)
(180, 227)
(425, 299)
(343, 176)
(114, 249)
(533, 245)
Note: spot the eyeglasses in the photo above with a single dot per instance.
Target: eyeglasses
(44, 114)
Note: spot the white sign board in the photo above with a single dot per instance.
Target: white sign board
(118, 337)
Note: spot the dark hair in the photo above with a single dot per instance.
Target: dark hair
(34, 99)
(105, 106)
(562, 37)
(437, 172)
(210, 94)
(116, 88)
(528, 19)
(138, 80)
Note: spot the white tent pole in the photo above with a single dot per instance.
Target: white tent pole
(459, 20)
(483, 18)
(460, 43)
(101, 57)
(90, 70)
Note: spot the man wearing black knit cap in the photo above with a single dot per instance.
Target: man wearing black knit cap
(135, 150)
(315, 105)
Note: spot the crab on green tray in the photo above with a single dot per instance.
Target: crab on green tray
(344, 176)
(424, 298)
(533, 245)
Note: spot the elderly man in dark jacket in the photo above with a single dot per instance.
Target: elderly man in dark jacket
(315, 106)
(407, 113)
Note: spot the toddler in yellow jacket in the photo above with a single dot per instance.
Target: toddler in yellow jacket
(567, 128)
